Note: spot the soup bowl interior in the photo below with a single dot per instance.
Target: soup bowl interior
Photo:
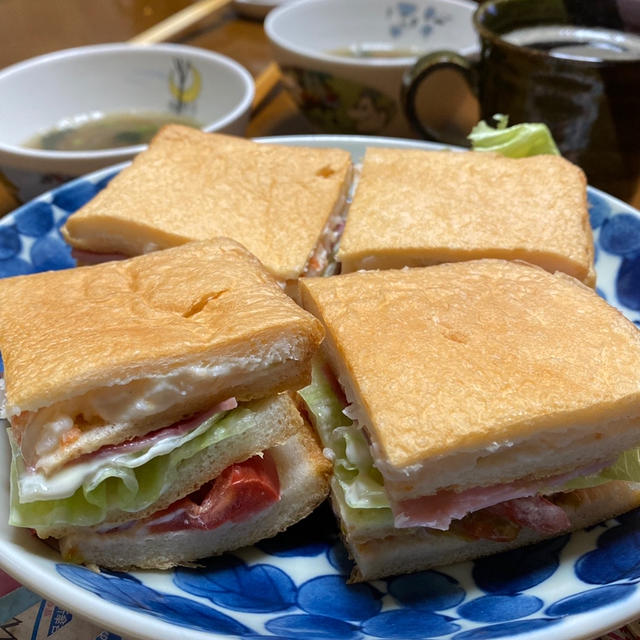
(80, 84)
(387, 31)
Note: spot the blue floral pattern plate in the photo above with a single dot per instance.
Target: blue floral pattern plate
(294, 586)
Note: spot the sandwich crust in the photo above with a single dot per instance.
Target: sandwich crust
(417, 208)
(66, 333)
(190, 185)
(466, 361)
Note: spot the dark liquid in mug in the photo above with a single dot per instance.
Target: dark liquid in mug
(578, 43)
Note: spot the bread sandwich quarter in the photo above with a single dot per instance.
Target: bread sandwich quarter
(471, 407)
(285, 204)
(147, 402)
(416, 207)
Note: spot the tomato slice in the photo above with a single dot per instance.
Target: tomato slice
(535, 512)
(502, 522)
(484, 525)
(239, 492)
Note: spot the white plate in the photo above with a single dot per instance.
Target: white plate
(576, 586)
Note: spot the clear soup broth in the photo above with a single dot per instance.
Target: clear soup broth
(374, 50)
(108, 131)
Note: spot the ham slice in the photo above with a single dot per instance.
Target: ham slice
(146, 440)
(437, 511)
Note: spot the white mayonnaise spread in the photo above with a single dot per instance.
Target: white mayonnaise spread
(137, 399)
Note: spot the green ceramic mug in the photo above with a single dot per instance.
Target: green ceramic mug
(572, 64)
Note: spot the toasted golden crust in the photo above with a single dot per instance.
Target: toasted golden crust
(65, 333)
(416, 208)
(191, 185)
(464, 356)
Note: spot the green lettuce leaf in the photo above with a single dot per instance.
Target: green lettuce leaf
(626, 468)
(360, 481)
(517, 141)
(130, 488)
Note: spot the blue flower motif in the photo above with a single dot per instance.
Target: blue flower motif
(229, 582)
(500, 608)
(51, 253)
(409, 624)
(628, 283)
(74, 195)
(515, 571)
(406, 9)
(100, 184)
(617, 556)
(599, 208)
(507, 629)
(426, 29)
(127, 591)
(10, 242)
(590, 600)
(14, 267)
(301, 627)
(339, 558)
(395, 31)
(34, 219)
(620, 234)
(427, 591)
(331, 596)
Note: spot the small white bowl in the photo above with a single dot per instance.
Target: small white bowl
(40, 93)
(316, 42)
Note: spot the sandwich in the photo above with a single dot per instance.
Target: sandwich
(419, 208)
(148, 406)
(285, 204)
(470, 408)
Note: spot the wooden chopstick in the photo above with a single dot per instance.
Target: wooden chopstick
(165, 29)
(178, 22)
(265, 82)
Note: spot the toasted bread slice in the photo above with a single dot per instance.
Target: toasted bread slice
(417, 208)
(189, 185)
(97, 355)
(476, 373)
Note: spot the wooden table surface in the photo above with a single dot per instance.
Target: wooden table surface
(33, 27)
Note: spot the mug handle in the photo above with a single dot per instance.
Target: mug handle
(413, 78)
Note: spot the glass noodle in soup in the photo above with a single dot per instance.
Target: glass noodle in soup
(106, 131)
